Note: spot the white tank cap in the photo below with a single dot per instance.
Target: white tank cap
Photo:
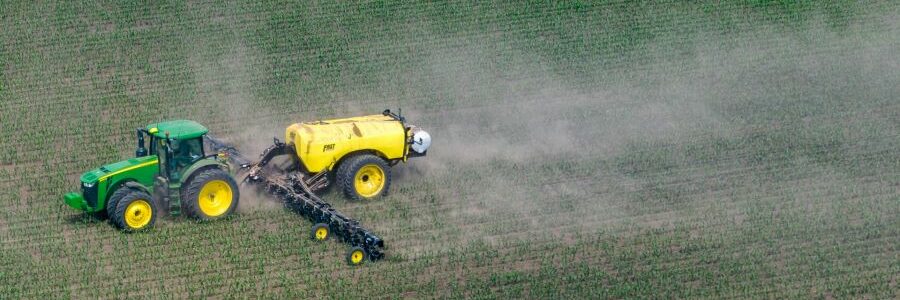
(421, 140)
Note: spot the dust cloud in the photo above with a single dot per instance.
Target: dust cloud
(521, 146)
(236, 115)
(518, 138)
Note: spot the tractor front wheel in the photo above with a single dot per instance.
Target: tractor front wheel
(113, 202)
(135, 211)
(211, 194)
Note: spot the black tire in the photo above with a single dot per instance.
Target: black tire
(347, 174)
(313, 234)
(339, 172)
(356, 256)
(144, 205)
(190, 200)
(114, 200)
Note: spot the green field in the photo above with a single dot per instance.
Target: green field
(596, 149)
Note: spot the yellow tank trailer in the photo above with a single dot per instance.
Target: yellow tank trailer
(320, 145)
(354, 153)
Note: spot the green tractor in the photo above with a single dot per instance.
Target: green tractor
(176, 176)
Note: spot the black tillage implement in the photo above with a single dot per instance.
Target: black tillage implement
(298, 194)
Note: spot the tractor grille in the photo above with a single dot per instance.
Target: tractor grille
(90, 194)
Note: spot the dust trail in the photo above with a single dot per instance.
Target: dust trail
(522, 144)
(242, 121)
(501, 133)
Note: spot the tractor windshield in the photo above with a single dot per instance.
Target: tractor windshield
(183, 154)
(187, 152)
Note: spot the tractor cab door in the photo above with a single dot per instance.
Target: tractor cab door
(174, 156)
(158, 146)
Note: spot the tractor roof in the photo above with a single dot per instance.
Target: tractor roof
(177, 129)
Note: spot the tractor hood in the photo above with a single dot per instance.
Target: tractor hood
(101, 173)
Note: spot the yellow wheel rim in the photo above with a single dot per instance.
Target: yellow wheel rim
(321, 233)
(138, 214)
(369, 181)
(356, 257)
(215, 198)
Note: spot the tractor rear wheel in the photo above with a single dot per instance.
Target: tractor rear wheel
(135, 211)
(210, 195)
(356, 256)
(364, 177)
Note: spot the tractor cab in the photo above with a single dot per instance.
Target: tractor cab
(177, 144)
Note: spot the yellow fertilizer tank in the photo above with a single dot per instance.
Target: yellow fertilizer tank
(355, 154)
(320, 145)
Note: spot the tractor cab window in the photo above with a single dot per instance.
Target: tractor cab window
(153, 146)
(157, 144)
(186, 152)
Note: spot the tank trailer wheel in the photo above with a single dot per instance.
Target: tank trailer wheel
(356, 256)
(364, 177)
(211, 194)
(320, 232)
(135, 211)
